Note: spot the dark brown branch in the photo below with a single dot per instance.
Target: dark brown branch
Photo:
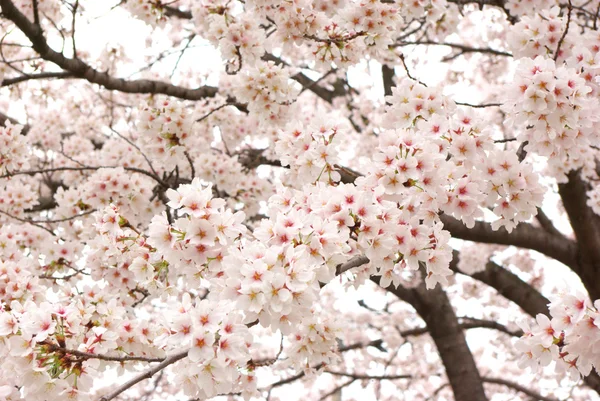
(586, 226)
(435, 309)
(358, 376)
(514, 289)
(462, 48)
(88, 355)
(516, 386)
(82, 70)
(547, 224)
(87, 168)
(4, 119)
(336, 389)
(387, 74)
(524, 236)
(41, 75)
(564, 35)
(175, 12)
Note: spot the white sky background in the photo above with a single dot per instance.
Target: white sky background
(117, 27)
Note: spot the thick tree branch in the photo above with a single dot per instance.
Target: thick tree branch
(79, 69)
(509, 286)
(41, 75)
(435, 309)
(514, 289)
(308, 84)
(387, 73)
(547, 224)
(524, 236)
(586, 226)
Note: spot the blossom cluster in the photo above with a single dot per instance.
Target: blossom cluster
(13, 149)
(335, 32)
(309, 151)
(228, 176)
(218, 345)
(540, 35)
(444, 159)
(238, 36)
(593, 200)
(570, 337)
(37, 335)
(520, 8)
(553, 106)
(148, 11)
(16, 196)
(268, 90)
(197, 242)
(165, 132)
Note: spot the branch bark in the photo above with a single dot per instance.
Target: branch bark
(586, 226)
(528, 298)
(435, 309)
(524, 236)
(518, 387)
(146, 375)
(79, 69)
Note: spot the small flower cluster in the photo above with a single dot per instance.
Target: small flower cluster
(13, 149)
(226, 173)
(540, 35)
(520, 8)
(239, 37)
(338, 32)
(197, 242)
(268, 90)
(513, 189)
(219, 348)
(570, 338)
(165, 132)
(411, 103)
(148, 11)
(364, 27)
(38, 336)
(122, 257)
(586, 60)
(16, 196)
(309, 151)
(46, 8)
(553, 104)
(413, 10)
(314, 341)
(474, 258)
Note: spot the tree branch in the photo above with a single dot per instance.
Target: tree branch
(82, 70)
(41, 75)
(519, 388)
(146, 375)
(524, 236)
(435, 309)
(586, 226)
(514, 289)
(89, 355)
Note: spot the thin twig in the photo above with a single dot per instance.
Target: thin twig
(562, 38)
(146, 375)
